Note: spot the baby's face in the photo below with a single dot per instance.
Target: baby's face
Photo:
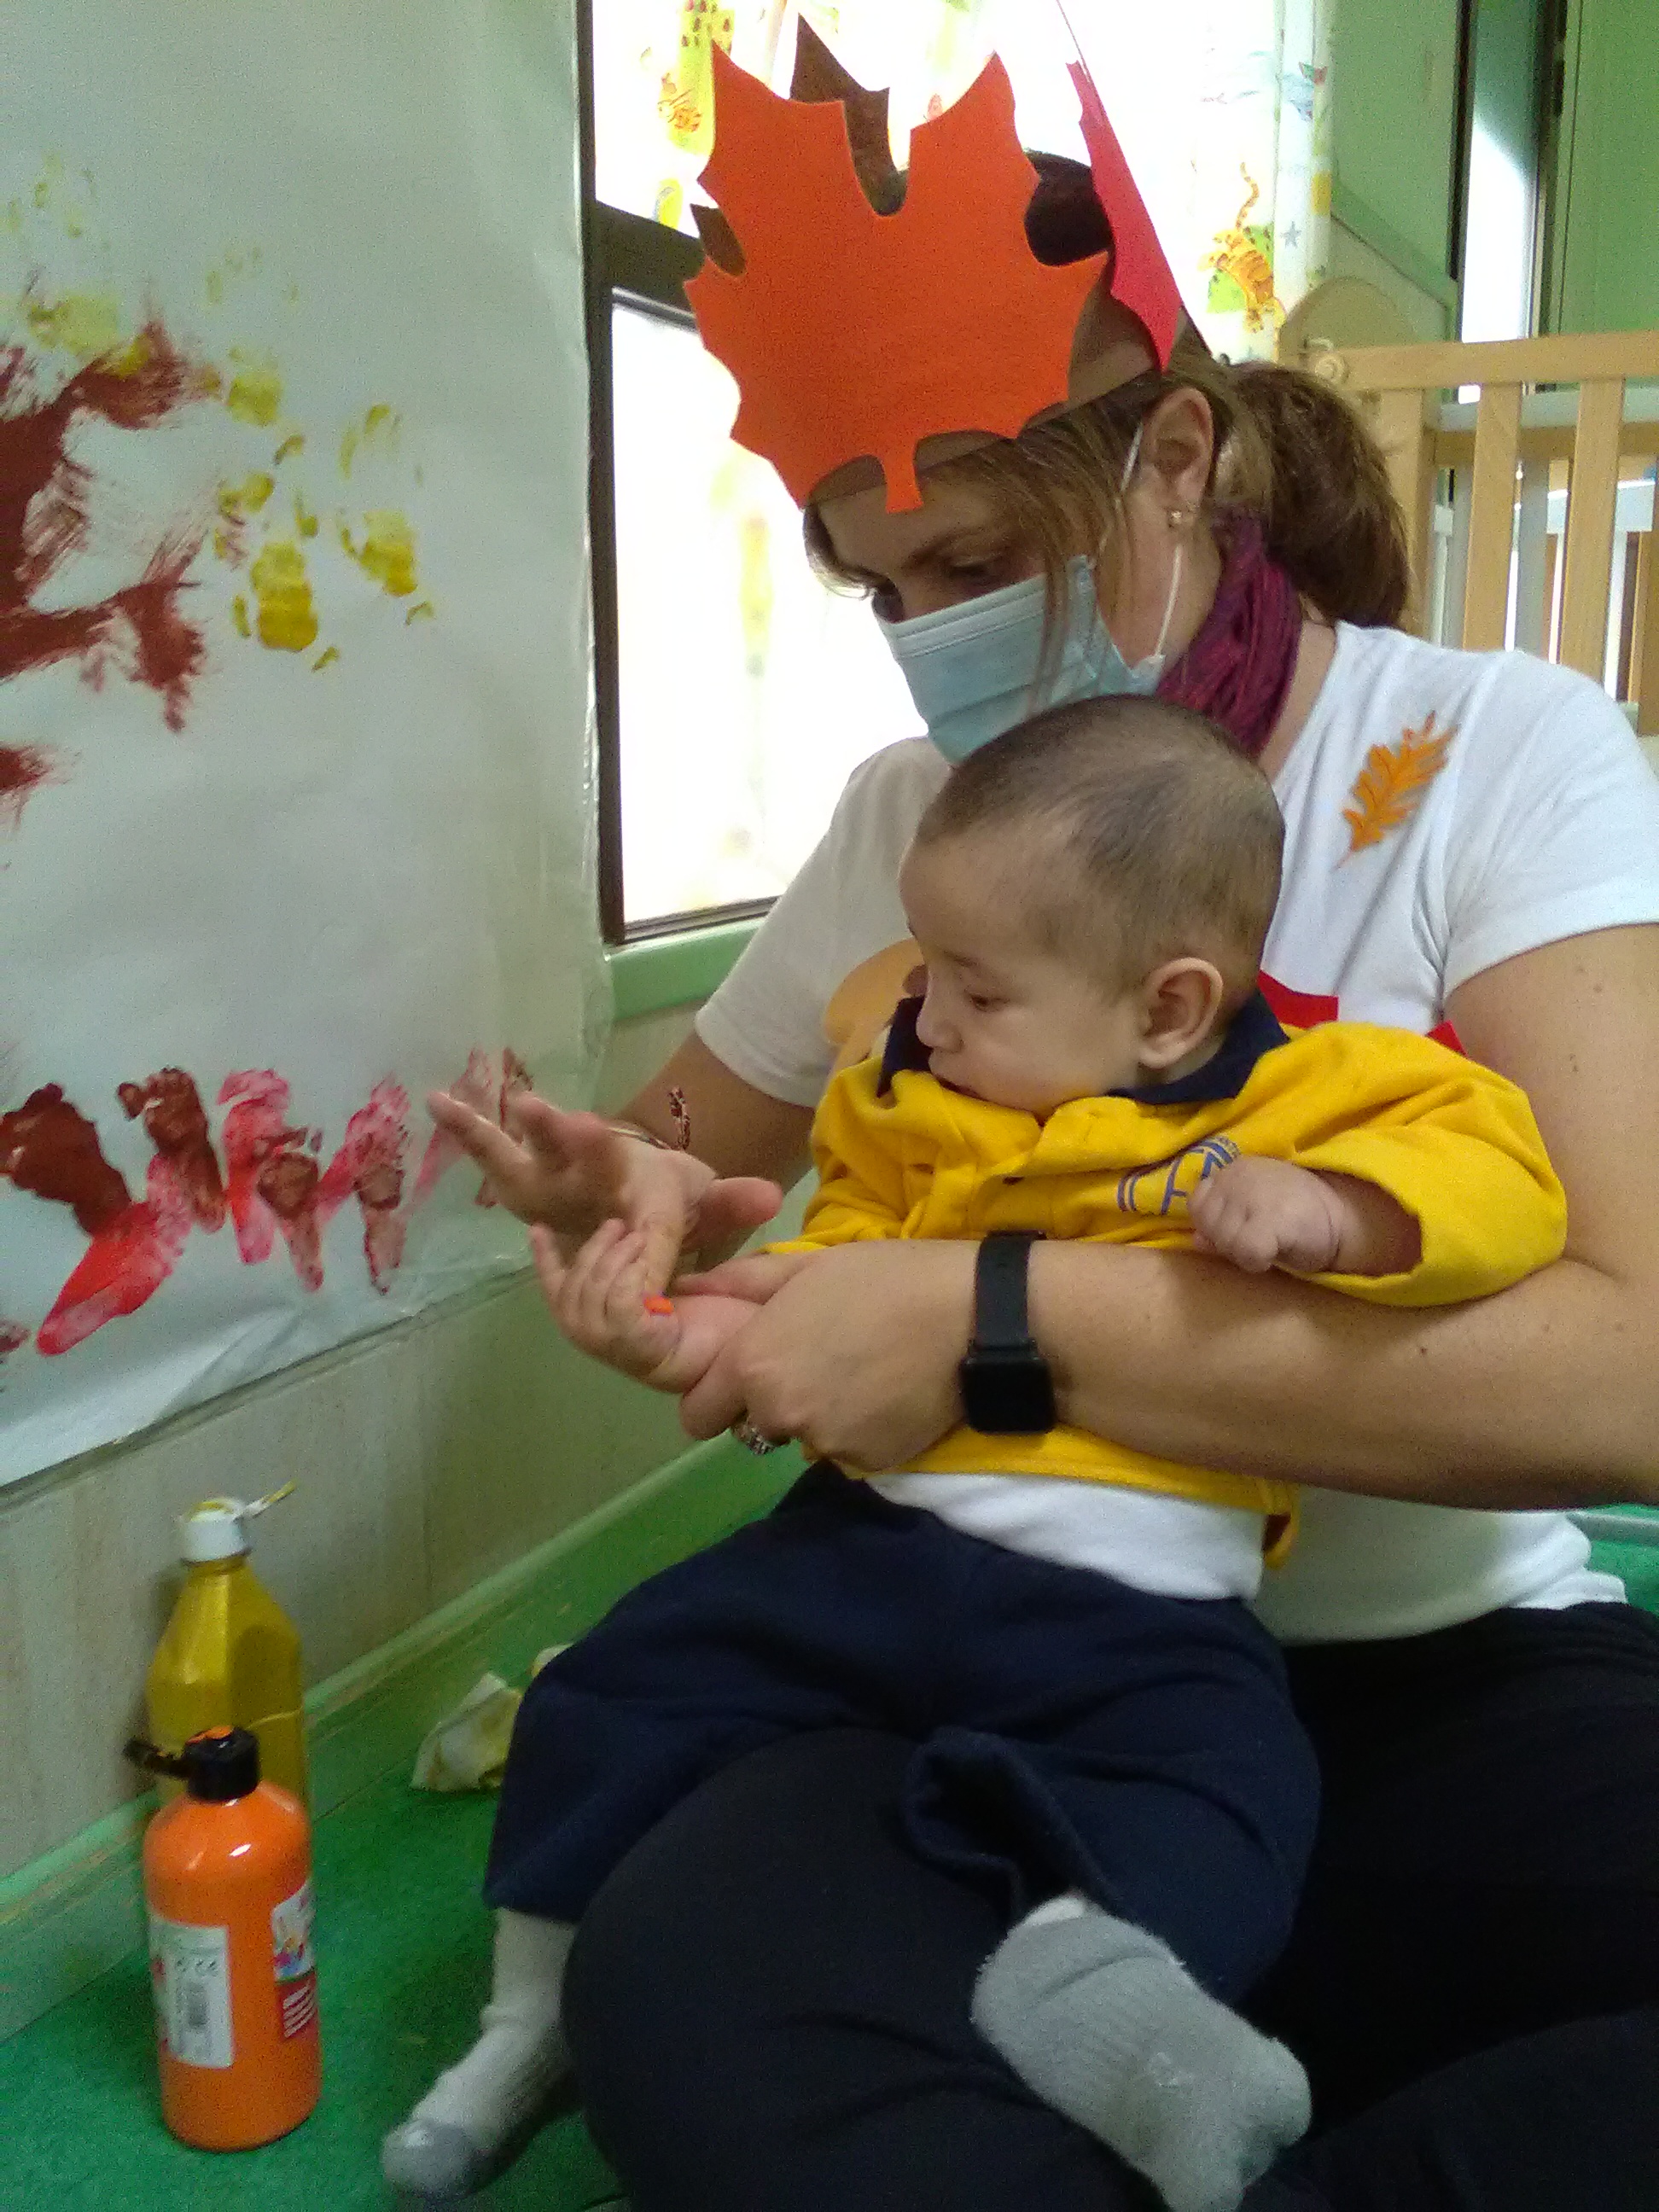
(1005, 1018)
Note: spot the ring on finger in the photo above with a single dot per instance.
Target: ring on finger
(755, 1440)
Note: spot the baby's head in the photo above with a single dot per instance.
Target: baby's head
(1090, 892)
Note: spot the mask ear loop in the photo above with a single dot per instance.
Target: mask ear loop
(1169, 603)
(1124, 482)
(1127, 478)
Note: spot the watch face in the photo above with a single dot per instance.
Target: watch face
(1010, 1393)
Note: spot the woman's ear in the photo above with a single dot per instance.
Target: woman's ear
(1177, 448)
(1181, 1004)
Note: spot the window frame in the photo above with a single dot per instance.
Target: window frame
(627, 260)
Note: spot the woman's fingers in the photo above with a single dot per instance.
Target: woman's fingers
(855, 1354)
(756, 1276)
(722, 1398)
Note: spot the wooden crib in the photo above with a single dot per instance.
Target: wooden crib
(1528, 496)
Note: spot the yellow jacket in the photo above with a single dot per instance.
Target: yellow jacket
(1453, 1143)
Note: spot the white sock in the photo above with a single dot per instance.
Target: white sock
(1100, 2020)
(450, 2143)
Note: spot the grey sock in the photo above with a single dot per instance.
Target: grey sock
(1102, 2020)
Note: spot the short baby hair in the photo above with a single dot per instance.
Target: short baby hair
(1152, 836)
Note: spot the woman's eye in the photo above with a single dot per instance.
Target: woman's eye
(981, 1003)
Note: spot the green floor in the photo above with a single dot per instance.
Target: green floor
(403, 1953)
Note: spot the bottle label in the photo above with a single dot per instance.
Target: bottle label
(295, 1962)
(190, 1971)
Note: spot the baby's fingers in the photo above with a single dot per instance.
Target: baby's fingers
(1246, 1236)
(585, 1303)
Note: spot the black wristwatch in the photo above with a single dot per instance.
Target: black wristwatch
(1006, 1388)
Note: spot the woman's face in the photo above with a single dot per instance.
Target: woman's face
(953, 547)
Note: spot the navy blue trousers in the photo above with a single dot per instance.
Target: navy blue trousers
(1067, 1731)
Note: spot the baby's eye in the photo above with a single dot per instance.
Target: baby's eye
(981, 1001)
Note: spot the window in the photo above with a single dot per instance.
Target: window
(735, 691)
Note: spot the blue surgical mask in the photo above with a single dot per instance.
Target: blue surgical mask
(973, 669)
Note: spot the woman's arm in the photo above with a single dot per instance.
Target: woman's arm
(1546, 1395)
(737, 1130)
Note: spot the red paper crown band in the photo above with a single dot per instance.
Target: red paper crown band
(852, 333)
(1141, 279)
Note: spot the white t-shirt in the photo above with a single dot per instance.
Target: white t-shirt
(1443, 812)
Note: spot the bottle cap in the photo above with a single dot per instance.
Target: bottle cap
(217, 1530)
(217, 1765)
(213, 1530)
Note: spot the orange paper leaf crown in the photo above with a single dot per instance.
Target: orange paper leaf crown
(859, 313)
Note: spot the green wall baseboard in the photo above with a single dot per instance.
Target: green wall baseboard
(73, 1913)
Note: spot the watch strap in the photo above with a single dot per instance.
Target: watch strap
(1001, 1309)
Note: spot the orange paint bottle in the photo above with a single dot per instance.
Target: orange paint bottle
(227, 1882)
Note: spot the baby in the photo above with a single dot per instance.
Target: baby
(1102, 1737)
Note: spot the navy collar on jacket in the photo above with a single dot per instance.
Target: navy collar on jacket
(1253, 1031)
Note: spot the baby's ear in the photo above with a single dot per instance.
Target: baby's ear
(1181, 1006)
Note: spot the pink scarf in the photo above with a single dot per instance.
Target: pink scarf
(1238, 668)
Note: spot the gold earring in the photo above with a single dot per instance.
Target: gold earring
(1179, 517)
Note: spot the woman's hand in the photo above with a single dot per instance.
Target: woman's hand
(853, 1352)
(572, 1172)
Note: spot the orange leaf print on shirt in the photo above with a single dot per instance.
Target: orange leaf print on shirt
(1389, 788)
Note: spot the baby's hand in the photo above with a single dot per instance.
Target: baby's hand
(573, 1172)
(1265, 1213)
(602, 1302)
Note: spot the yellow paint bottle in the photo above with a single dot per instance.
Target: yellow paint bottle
(230, 1655)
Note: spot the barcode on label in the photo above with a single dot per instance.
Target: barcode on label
(190, 1968)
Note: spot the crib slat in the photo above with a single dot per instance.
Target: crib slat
(1491, 518)
(1644, 654)
(1457, 555)
(1590, 506)
(1403, 433)
(1533, 571)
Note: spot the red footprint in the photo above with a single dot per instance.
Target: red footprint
(481, 1088)
(271, 1173)
(370, 1165)
(176, 1123)
(127, 1261)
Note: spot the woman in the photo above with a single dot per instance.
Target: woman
(768, 2003)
